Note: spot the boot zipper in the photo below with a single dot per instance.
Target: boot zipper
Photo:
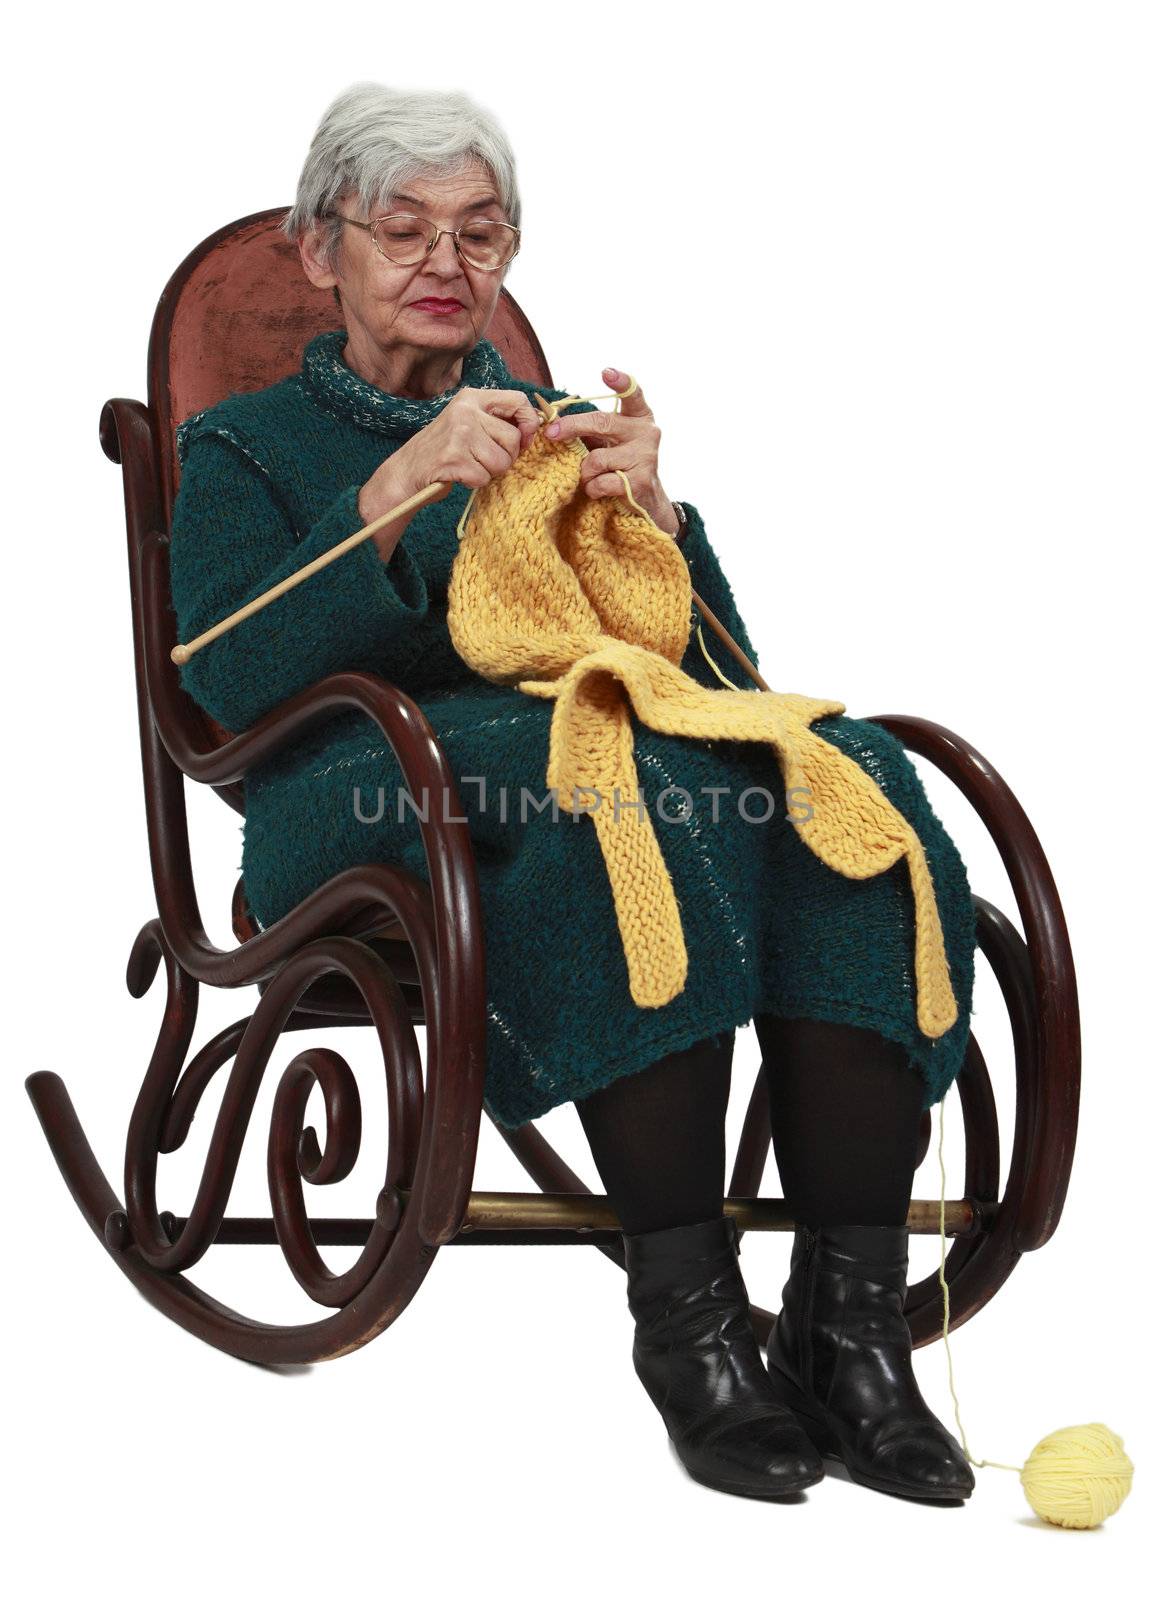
(804, 1337)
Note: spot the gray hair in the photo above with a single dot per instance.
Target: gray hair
(373, 139)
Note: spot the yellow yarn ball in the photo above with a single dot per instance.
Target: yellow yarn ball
(1077, 1477)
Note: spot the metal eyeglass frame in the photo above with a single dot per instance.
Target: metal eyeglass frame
(433, 244)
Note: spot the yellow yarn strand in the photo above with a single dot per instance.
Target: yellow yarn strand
(728, 682)
(1076, 1477)
(946, 1295)
(623, 476)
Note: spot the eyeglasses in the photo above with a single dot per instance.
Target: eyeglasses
(405, 239)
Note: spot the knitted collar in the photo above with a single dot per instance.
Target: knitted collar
(342, 391)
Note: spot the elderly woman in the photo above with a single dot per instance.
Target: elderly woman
(408, 209)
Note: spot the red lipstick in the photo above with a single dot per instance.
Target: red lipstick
(438, 308)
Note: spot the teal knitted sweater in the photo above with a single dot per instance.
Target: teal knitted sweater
(269, 481)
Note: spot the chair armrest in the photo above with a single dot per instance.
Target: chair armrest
(1046, 1129)
(410, 736)
(412, 741)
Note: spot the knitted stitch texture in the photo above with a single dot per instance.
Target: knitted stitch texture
(271, 480)
(587, 602)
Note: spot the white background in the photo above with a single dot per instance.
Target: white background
(914, 396)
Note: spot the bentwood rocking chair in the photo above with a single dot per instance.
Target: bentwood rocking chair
(378, 946)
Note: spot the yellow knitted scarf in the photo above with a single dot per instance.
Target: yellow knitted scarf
(588, 602)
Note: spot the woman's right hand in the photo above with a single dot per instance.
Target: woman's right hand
(475, 438)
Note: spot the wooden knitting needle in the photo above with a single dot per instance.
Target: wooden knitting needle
(730, 643)
(182, 652)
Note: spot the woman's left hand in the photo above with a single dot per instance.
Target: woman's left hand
(628, 440)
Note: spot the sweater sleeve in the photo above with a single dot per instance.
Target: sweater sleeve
(713, 587)
(232, 540)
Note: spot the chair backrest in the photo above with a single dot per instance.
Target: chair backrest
(237, 315)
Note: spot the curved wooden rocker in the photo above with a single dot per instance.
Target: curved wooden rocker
(378, 946)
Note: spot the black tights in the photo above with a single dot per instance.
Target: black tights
(845, 1107)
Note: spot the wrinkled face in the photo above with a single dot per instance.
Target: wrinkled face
(386, 300)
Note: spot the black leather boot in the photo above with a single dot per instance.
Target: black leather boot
(696, 1354)
(839, 1356)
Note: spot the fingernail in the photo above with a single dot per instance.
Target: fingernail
(552, 430)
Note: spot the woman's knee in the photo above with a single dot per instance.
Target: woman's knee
(836, 1051)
